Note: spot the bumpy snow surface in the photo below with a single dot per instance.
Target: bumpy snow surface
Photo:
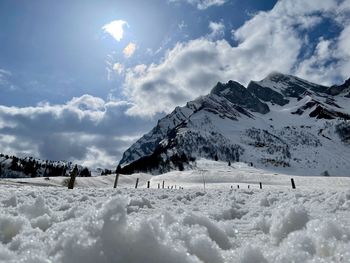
(222, 224)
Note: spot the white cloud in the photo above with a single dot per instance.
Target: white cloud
(4, 75)
(129, 50)
(217, 30)
(269, 41)
(115, 28)
(187, 71)
(182, 25)
(203, 4)
(319, 67)
(118, 68)
(343, 51)
(7, 80)
(4, 72)
(86, 129)
(344, 41)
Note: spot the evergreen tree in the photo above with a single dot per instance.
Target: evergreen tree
(106, 172)
(119, 168)
(14, 164)
(85, 172)
(34, 171)
(64, 171)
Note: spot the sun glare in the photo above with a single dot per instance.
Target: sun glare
(129, 50)
(115, 29)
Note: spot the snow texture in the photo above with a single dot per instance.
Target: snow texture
(223, 224)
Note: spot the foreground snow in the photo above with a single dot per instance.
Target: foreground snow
(89, 224)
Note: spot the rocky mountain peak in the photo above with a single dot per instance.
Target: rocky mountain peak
(239, 95)
(338, 89)
(279, 88)
(276, 76)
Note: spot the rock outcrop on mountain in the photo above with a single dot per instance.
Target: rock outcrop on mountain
(281, 123)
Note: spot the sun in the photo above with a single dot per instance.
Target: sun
(115, 29)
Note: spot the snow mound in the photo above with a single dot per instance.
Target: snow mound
(288, 220)
(10, 226)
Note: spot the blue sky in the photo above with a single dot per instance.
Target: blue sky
(65, 78)
(56, 49)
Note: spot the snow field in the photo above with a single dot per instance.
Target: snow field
(96, 223)
(52, 224)
(217, 175)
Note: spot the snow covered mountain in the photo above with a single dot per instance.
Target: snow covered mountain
(281, 123)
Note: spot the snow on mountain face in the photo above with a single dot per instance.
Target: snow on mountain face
(280, 123)
(286, 85)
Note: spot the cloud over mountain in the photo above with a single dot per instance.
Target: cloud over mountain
(269, 41)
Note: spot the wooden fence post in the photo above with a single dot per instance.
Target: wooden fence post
(163, 185)
(148, 184)
(117, 171)
(137, 182)
(260, 185)
(293, 184)
(116, 180)
(73, 175)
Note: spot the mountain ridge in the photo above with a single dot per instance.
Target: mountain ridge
(268, 124)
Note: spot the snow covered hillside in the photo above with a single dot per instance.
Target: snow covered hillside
(222, 224)
(281, 123)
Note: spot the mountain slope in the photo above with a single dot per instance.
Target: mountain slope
(281, 122)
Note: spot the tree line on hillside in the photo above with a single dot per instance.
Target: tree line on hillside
(31, 167)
